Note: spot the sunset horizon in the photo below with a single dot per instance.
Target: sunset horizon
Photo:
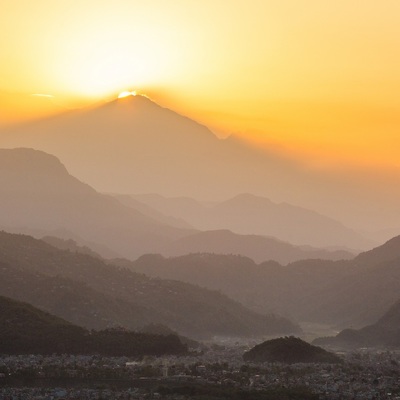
(316, 81)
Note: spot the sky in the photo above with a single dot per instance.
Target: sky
(315, 79)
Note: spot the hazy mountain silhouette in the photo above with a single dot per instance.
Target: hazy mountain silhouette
(37, 193)
(91, 293)
(249, 214)
(40, 197)
(258, 248)
(133, 145)
(347, 293)
(265, 287)
(370, 287)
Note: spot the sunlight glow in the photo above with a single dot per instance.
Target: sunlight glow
(126, 94)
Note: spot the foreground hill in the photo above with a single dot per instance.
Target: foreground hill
(248, 214)
(289, 350)
(383, 333)
(87, 291)
(25, 329)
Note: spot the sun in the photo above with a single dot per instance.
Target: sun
(127, 94)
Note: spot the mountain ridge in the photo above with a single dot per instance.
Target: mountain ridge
(39, 195)
(248, 214)
(28, 330)
(134, 145)
(94, 294)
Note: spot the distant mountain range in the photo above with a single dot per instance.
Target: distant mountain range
(39, 197)
(258, 248)
(344, 293)
(133, 145)
(25, 329)
(90, 293)
(248, 214)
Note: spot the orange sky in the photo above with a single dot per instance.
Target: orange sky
(316, 78)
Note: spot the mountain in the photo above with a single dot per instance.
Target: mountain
(38, 194)
(132, 145)
(69, 244)
(249, 214)
(258, 248)
(91, 293)
(266, 287)
(290, 350)
(383, 333)
(364, 294)
(389, 251)
(40, 197)
(346, 293)
(129, 145)
(25, 329)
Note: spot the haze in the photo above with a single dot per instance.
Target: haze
(185, 186)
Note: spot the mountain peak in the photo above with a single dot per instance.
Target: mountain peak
(133, 100)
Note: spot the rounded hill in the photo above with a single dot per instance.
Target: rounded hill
(289, 350)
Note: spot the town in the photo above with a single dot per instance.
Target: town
(365, 374)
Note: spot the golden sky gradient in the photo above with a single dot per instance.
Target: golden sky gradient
(315, 78)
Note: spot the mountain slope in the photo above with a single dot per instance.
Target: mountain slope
(350, 293)
(37, 193)
(384, 332)
(265, 287)
(362, 296)
(25, 329)
(78, 287)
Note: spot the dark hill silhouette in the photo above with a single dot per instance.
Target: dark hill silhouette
(25, 329)
(290, 350)
(91, 293)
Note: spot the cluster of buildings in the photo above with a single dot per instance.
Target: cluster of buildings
(362, 375)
